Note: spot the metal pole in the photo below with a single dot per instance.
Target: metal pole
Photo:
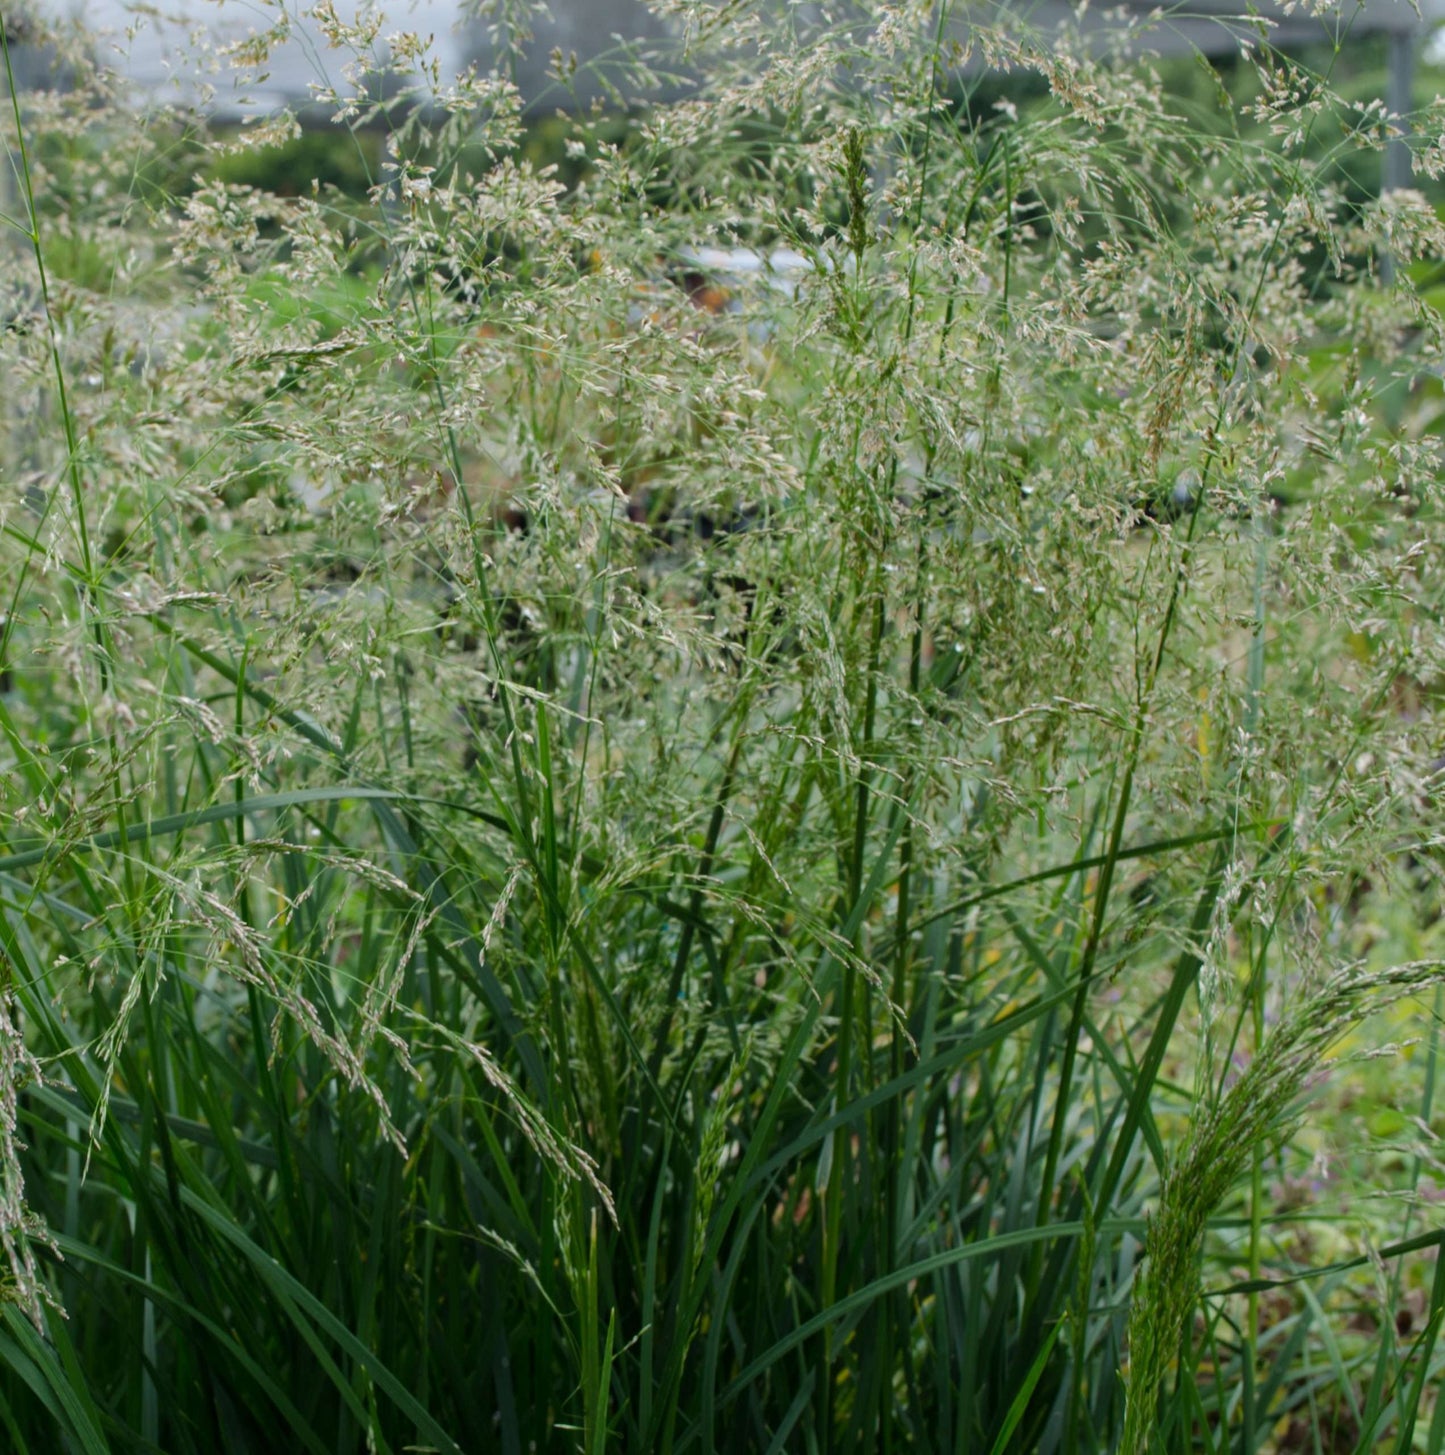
(1395, 165)
(1396, 170)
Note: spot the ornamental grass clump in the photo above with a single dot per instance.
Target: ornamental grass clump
(1225, 1134)
(687, 767)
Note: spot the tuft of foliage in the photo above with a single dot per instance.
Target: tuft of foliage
(722, 800)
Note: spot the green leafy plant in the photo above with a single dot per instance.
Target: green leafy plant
(722, 803)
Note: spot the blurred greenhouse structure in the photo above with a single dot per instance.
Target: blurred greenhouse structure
(158, 47)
